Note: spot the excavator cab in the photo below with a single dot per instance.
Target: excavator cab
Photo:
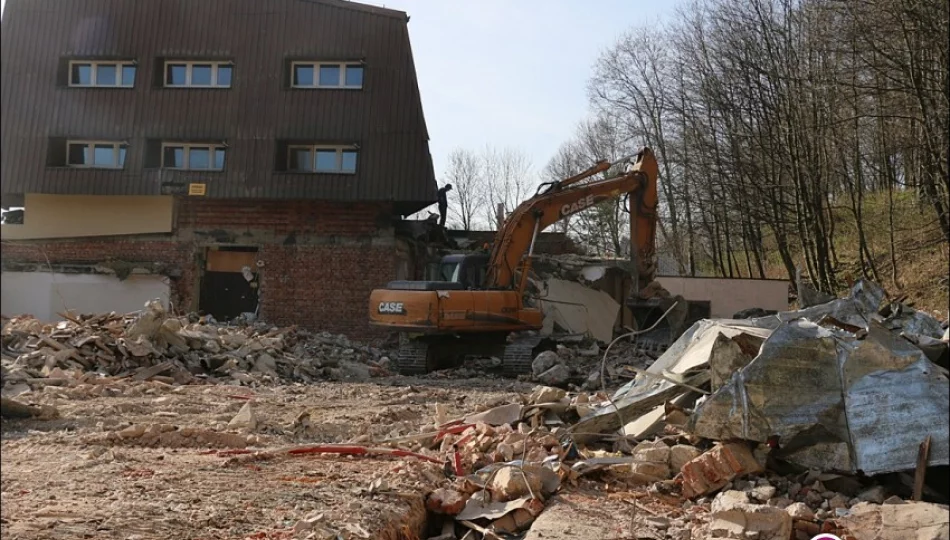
(468, 269)
(474, 305)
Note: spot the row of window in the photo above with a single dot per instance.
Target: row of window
(205, 74)
(311, 158)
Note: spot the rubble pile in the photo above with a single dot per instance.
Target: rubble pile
(172, 436)
(154, 345)
(580, 362)
(832, 419)
(507, 461)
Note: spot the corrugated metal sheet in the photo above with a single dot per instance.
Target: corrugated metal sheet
(837, 400)
(385, 118)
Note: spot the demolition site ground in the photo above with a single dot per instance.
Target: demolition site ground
(154, 426)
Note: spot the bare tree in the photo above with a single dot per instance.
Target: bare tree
(508, 179)
(775, 121)
(468, 186)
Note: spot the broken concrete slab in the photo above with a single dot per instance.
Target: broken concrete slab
(562, 520)
(546, 394)
(733, 516)
(835, 402)
(681, 454)
(544, 361)
(910, 521)
(556, 376)
(497, 416)
(580, 310)
(510, 483)
(727, 356)
(244, 420)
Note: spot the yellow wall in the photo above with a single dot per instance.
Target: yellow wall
(70, 216)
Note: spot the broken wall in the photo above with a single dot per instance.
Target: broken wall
(729, 295)
(73, 216)
(320, 260)
(44, 294)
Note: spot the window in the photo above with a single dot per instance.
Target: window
(321, 159)
(96, 154)
(193, 157)
(105, 74)
(326, 75)
(199, 74)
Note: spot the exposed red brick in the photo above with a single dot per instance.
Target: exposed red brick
(717, 467)
(318, 286)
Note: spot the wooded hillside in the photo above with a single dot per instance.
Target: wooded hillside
(790, 133)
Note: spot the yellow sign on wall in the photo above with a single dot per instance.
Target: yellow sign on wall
(196, 189)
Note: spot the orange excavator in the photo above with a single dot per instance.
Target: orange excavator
(480, 300)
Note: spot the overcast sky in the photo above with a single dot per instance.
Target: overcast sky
(511, 72)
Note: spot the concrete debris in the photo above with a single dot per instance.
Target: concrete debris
(576, 309)
(874, 494)
(244, 420)
(681, 454)
(652, 460)
(174, 436)
(511, 483)
(800, 511)
(707, 441)
(733, 516)
(498, 416)
(543, 362)
(910, 521)
(546, 394)
(556, 376)
(154, 345)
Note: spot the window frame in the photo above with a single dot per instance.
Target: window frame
(316, 65)
(94, 65)
(189, 69)
(186, 148)
(91, 144)
(314, 148)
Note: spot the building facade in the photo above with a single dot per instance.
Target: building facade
(252, 155)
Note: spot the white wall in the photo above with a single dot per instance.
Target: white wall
(43, 294)
(727, 296)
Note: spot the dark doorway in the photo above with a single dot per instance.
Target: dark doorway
(229, 282)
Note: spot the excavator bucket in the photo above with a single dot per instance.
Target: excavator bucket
(661, 317)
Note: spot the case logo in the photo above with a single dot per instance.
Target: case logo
(392, 308)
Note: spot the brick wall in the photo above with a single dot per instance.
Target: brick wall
(178, 258)
(324, 287)
(321, 280)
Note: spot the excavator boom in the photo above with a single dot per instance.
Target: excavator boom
(566, 198)
(441, 321)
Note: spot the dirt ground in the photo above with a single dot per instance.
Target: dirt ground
(77, 477)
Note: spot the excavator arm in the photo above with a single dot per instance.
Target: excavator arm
(568, 197)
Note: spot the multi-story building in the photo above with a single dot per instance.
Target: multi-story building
(233, 155)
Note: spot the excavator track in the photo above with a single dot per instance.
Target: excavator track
(520, 353)
(412, 358)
